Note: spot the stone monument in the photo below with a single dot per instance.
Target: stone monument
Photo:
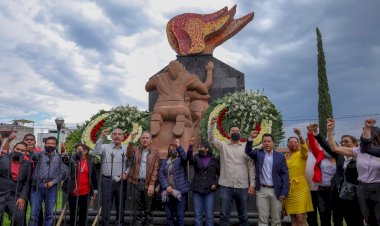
(180, 93)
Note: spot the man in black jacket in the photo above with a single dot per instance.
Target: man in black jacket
(14, 180)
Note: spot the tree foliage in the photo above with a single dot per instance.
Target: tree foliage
(325, 109)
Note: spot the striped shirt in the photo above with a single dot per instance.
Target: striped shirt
(49, 168)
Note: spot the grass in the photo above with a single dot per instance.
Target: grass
(58, 205)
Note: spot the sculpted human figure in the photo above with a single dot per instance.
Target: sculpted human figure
(199, 102)
(172, 85)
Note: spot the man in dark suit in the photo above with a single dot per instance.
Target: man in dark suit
(272, 178)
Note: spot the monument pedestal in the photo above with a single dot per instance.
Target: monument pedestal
(166, 137)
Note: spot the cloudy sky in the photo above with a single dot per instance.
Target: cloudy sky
(71, 58)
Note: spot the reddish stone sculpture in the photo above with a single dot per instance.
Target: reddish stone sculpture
(182, 101)
(192, 33)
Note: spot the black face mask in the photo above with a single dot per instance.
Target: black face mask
(49, 149)
(173, 153)
(16, 156)
(202, 152)
(235, 137)
(78, 156)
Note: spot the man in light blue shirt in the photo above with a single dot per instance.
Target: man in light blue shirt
(272, 179)
(114, 172)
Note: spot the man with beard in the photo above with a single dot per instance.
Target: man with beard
(48, 171)
(114, 172)
(237, 175)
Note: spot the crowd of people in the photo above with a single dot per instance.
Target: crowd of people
(341, 182)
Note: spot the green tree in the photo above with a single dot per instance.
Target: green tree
(325, 109)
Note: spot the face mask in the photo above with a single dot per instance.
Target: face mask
(49, 149)
(202, 152)
(16, 156)
(78, 156)
(235, 137)
(173, 153)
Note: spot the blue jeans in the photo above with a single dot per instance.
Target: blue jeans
(175, 210)
(227, 195)
(36, 197)
(204, 203)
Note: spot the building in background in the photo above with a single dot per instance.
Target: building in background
(41, 137)
(21, 127)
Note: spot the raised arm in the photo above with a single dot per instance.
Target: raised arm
(313, 144)
(190, 156)
(131, 145)
(217, 143)
(303, 146)
(322, 141)
(334, 147)
(181, 151)
(366, 139)
(248, 146)
(209, 67)
(7, 144)
(98, 149)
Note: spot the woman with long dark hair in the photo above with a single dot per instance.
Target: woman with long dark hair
(81, 185)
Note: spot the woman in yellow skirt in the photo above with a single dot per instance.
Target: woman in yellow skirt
(298, 202)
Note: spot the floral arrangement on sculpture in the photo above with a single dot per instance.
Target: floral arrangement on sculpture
(246, 109)
(126, 118)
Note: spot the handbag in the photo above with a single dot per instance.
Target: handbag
(348, 191)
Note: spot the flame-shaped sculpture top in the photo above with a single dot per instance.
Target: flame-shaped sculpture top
(192, 33)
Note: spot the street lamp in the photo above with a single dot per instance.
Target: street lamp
(59, 122)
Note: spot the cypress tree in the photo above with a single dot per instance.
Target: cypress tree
(324, 101)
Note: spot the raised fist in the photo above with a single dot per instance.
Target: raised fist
(369, 122)
(209, 66)
(106, 132)
(330, 124)
(297, 131)
(254, 134)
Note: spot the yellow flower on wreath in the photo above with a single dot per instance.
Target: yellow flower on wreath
(86, 135)
(266, 126)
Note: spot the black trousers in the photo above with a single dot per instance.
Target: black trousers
(141, 204)
(336, 208)
(8, 204)
(81, 213)
(112, 192)
(369, 201)
(312, 217)
(351, 212)
(324, 205)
